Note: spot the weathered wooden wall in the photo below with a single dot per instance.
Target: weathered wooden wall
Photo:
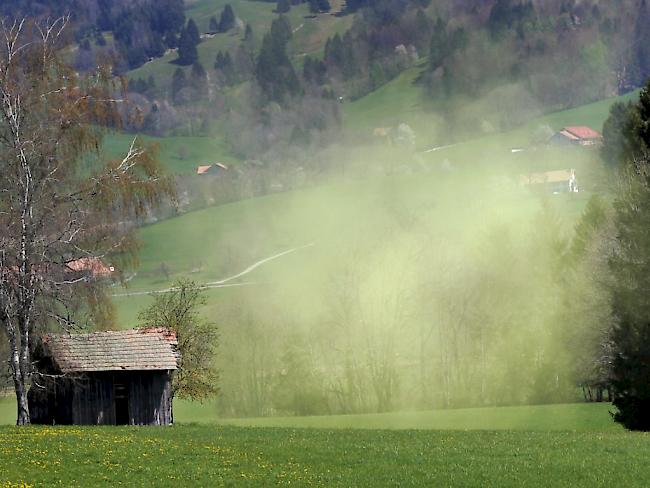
(90, 399)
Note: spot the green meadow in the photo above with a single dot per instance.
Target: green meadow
(562, 445)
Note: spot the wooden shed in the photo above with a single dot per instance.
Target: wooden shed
(105, 378)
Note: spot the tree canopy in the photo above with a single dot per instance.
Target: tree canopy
(197, 377)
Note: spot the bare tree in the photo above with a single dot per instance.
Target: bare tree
(62, 208)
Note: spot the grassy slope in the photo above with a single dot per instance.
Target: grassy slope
(310, 32)
(179, 155)
(575, 417)
(211, 240)
(203, 455)
(402, 100)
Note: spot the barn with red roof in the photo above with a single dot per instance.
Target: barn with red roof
(579, 135)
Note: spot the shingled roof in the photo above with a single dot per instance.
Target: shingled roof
(125, 350)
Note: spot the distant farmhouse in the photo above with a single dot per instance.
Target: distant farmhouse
(383, 134)
(211, 169)
(577, 135)
(554, 181)
(105, 378)
(92, 266)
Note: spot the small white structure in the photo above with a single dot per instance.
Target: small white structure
(558, 181)
(573, 182)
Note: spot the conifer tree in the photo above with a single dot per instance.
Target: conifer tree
(214, 24)
(178, 81)
(227, 20)
(187, 53)
(193, 32)
(283, 6)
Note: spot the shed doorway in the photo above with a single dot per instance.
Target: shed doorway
(121, 395)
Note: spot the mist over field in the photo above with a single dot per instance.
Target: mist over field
(324, 242)
(376, 197)
(444, 284)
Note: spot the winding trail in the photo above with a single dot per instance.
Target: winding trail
(224, 282)
(439, 148)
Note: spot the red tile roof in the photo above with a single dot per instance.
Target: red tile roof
(583, 132)
(201, 170)
(150, 349)
(94, 265)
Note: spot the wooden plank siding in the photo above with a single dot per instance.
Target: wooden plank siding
(105, 378)
(91, 399)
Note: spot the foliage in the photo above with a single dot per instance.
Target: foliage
(619, 140)
(274, 71)
(298, 388)
(227, 19)
(630, 266)
(283, 6)
(187, 53)
(177, 310)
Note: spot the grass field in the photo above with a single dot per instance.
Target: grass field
(562, 445)
(583, 417)
(403, 100)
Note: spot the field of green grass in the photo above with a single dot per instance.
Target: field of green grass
(403, 100)
(562, 445)
(587, 417)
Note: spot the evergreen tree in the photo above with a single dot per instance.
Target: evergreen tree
(187, 53)
(224, 63)
(248, 34)
(227, 20)
(283, 6)
(630, 369)
(439, 47)
(157, 46)
(193, 32)
(630, 268)
(199, 79)
(214, 24)
(324, 5)
(314, 70)
(626, 132)
(281, 31)
(178, 81)
(171, 40)
(274, 71)
(618, 138)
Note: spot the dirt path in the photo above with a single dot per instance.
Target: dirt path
(224, 282)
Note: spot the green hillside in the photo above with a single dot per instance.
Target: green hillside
(207, 244)
(403, 100)
(310, 32)
(179, 155)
